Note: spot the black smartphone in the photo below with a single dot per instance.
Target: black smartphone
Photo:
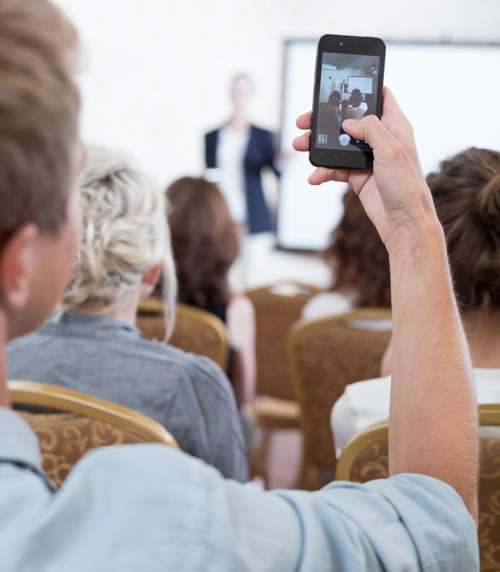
(348, 85)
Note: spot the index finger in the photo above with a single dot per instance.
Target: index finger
(371, 130)
(304, 121)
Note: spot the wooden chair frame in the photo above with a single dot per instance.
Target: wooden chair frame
(489, 415)
(150, 305)
(183, 310)
(153, 306)
(301, 327)
(33, 394)
(273, 412)
(309, 290)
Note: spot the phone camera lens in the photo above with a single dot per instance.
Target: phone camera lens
(341, 43)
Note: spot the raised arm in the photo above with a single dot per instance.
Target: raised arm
(433, 427)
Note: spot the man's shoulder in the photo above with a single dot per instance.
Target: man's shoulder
(167, 464)
(155, 496)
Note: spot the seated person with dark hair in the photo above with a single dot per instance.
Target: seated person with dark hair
(335, 99)
(150, 507)
(358, 263)
(205, 245)
(466, 193)
(329, 117)
(356, 107)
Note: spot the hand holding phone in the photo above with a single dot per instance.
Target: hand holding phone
(394, 193)
(348, 85)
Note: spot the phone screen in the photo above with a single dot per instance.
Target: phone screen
(348, 90)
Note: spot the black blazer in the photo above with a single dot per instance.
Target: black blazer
(260, 153)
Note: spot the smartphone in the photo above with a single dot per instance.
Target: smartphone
(348, 85)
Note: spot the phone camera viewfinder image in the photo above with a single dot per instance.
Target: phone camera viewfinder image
(348, 90)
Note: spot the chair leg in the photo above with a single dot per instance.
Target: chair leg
(260, 458)
(309, 479)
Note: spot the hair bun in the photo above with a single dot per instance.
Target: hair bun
(488, 203)
(101, 164)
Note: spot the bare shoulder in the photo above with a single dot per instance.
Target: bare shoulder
(241, 305)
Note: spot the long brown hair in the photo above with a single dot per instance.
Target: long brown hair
(358, 258)
(204, 240)
(466, 192)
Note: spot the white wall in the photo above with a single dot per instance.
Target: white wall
(155, 72)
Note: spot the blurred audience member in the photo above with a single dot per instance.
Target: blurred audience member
(359, 266)
(241, 151)
(335, 99)
(356, 107)
(329, 117)
(466, 193)
(94, 346)
(205, 244)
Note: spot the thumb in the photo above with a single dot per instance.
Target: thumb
(371, 130)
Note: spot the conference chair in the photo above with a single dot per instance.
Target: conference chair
(326, 355)
(70, 423)
(277, 308)
(366, 457)
(150, 318)
(195, 330)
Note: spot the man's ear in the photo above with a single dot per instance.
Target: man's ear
(16, 268)
(150, 279)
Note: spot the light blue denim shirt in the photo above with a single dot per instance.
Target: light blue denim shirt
(150, 508)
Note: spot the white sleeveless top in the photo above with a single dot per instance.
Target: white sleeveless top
(367, 402)
(231, 151)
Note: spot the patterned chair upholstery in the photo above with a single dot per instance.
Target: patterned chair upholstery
(65, 437)
(69, 424)
(366, 458)
(195, 331)
(277, 308)
(327, 355)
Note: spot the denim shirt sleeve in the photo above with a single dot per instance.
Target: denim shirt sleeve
(150, 508)
(406, 523)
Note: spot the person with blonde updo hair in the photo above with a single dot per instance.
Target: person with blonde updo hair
(466, 194)
(93, 344)
(125, 242)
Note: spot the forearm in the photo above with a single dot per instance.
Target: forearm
(386, 366)
(431, 368)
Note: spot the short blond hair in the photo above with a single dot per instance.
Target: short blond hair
(125, 233)
(39, 108)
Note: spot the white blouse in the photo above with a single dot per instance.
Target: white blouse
(367, 402)
(326, 304)
(231, 152)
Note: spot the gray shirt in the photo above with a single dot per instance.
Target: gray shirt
(111, 359)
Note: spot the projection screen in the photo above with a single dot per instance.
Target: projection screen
(449, 92)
